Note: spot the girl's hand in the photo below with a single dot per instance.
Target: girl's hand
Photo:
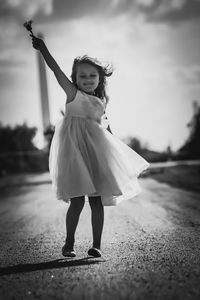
(37, 43)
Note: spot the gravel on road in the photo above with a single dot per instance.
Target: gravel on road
(150, 245)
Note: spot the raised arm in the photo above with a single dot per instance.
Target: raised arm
(62, 79)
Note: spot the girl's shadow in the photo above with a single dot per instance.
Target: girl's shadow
(54, 264)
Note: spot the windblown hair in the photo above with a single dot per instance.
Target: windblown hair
(104, 71)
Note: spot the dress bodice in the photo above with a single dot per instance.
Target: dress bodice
(85, 106)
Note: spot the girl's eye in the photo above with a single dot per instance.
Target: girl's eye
(92, 75)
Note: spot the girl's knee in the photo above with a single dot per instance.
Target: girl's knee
(95, 202)
(77, 202)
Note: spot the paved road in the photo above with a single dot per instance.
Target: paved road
(151, 247)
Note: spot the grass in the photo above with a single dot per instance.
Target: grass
(185, 177)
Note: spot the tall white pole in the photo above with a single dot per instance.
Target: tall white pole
(43, 91)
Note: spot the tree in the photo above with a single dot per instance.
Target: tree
(18, 152)
(191, 149)
(19, 138)
(135, 144)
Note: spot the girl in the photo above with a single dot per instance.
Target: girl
(86, 159)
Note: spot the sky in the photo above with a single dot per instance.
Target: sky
(153, 45)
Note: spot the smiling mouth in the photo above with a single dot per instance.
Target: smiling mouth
(88, 85)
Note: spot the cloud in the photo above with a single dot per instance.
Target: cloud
(171, 11)
(9, 63)
(76, 9)
(9, 67)
(145, 2)
(153, 10)
(25, 9)
(45, 10)
(13, 45)
(189, 75)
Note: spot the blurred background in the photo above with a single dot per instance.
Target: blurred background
(154, 46)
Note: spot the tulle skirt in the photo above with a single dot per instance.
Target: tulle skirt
(86, 159)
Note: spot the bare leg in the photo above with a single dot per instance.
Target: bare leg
(72, 219)
(97, 220)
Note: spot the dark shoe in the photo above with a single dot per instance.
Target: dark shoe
(68, 253)
(94, 252)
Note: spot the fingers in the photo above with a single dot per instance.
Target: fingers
(36, 42)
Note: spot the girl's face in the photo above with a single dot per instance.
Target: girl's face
(87, 78)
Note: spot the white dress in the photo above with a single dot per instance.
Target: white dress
(86, 159)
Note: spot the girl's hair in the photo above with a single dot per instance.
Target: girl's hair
(104, 71)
